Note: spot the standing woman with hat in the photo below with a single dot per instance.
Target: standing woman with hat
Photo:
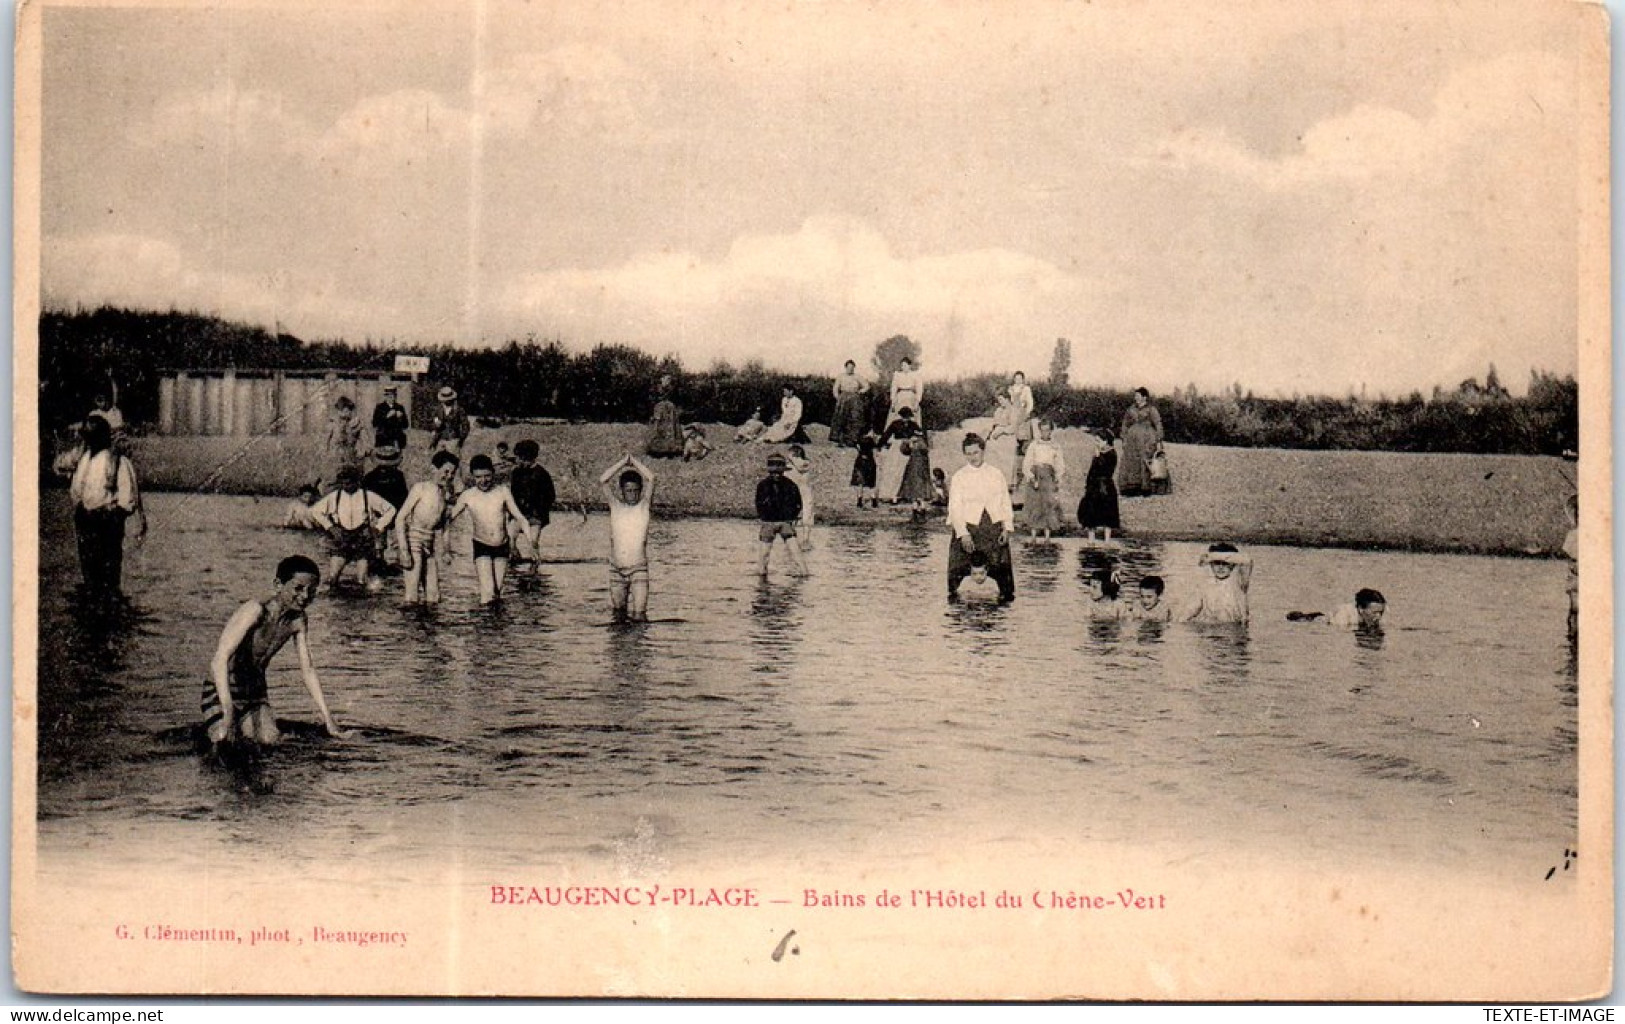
(451, 424)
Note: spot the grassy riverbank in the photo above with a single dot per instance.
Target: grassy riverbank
(1502, 504)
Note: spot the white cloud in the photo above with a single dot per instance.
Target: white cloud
(568, 91)
(142, 272)
(1497, 99)
(812, 296)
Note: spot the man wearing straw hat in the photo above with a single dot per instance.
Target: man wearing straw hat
(451, 424)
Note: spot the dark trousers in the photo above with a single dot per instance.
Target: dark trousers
(101, 548)
(987, 536)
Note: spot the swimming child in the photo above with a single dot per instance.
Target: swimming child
(1103, 590)
(1150, 607)
(778, 506)
(353, 518)
(1223, 598)
(299, 515)
(533, 492)
(235, 695)
(864, 469)
(629, 487)
(799, 472)
(1364, 614)
(695, 446)
(419, 529)
(491, 507)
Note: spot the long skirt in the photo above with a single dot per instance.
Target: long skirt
(1099, 504)
(1043, 507)
(848, 423)
(665, 433)
(1139, 444)
(890, 462)
(916, 485)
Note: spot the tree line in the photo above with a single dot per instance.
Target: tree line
(535, 379)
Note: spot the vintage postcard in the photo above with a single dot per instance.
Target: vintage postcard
(836, 500)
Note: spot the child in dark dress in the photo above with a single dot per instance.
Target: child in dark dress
(1097, 511)
(864, 470)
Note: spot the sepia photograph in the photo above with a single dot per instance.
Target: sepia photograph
(822, 500)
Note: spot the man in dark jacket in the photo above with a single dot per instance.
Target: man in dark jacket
(389, 421)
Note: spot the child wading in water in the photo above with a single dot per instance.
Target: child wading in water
(1224, 597)
(629, 487)
(419, 529)
(1045, 469)
(235, 704)
(492, 506)
(778, 506)
(353, 518)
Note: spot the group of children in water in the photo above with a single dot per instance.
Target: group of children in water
(234, 701)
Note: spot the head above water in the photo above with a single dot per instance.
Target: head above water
(1105, 582)
(1151, 588)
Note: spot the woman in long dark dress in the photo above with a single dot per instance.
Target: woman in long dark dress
(665, 430)
(1097, 511)
(1142, 433)
(848, 422)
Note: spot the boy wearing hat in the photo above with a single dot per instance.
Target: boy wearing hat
(386, 480)
(778, 506)
(389, 421)
(451, 424)
(351, 517)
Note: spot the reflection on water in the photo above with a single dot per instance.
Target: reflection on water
(854, 707)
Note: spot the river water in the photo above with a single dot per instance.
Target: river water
(853, 710)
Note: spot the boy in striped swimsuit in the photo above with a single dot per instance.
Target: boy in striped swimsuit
(235, 705)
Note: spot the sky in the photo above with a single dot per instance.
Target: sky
(1299, 198)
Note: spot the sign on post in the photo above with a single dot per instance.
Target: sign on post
(411, 364)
